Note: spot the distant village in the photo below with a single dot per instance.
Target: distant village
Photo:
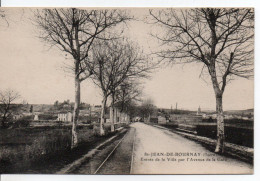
(164, 116)
(62, 112)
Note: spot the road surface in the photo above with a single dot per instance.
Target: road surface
(159, 151)
(145, 149)
(120, 161)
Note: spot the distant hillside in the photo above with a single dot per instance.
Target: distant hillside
(61, 107)
(176, 111)
(240, 112)
(233, 112)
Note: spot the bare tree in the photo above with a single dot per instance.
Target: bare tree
(73, 31)
(219, 38)
(7, 105)
(128, 91)
(117, 61)
(127, 95)
(147, 108)
(124, 94)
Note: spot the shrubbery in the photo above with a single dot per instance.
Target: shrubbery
(48, 116)
(19, 123)
(107, 127)
(87, 119)
(96, 128)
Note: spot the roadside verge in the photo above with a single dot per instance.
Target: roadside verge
(241, 152)
(77, 163)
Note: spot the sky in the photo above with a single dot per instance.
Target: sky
(37, 72)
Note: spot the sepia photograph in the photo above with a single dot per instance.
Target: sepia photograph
(127, 91)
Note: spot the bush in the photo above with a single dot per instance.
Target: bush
(21, 123)
(48, 116)
(96, 128)
(172, 125)
(87, 119)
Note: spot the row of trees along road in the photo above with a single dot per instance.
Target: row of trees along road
(96, 48)
(117, 63)
(146, 109)
(74, 32)
(127, 94)
(221, 39)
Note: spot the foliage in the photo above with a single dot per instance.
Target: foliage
(48, 116)
(22, 122)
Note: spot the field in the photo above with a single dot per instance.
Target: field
(35, 149)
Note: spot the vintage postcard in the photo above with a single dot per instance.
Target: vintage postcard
(127, 91)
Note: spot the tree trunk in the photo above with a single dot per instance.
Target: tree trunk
(3, 120)
(112, 118)
(74, 141)
(5, 116)
(220, 125)
(3, 123)
(102, 116)
(219, 110)
(113, 114)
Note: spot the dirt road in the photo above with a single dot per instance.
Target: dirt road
(145, 149)
(158, 151)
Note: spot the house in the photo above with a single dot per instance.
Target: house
(199, 111)
(36, 117)
(137, 119)
(120, 117)
(65, 117)
(162, 120)
(17, 116)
